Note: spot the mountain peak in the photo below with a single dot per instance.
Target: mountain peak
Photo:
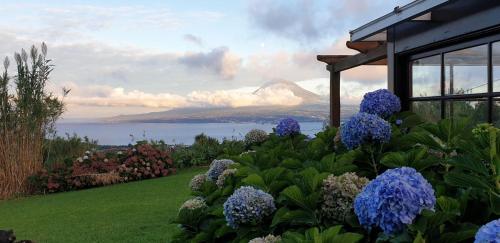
(307, 96)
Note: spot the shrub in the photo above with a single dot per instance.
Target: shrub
(287, 127)
(339, 193)
(27, 116)
(248, 205)
(394, 199)
(255, 136)
(224, 175)
(381, 102)
(364, 128)
(266, 239)
(197, 182)
(217, 167)
(145, 161)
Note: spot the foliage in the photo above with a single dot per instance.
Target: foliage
(66, 149)
(204, 150)
(27, 115)
(432, 182)
(143, 161)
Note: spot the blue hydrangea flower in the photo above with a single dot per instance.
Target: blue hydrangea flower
(287, 126)
(489, 233)
(381, 102)
(399, 122)
(217, 167)
(394, 199)
(364, 127)
(248, 205)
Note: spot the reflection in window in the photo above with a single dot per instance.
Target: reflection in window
(427, 110)
(466, 71)
(496, 66)
(476, 110)
(426, 76)
(496, 112)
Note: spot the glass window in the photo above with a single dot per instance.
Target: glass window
(496, 66)
(427, 110)
(476, 110)
(496, 112)
(466, 71)
(426, 76)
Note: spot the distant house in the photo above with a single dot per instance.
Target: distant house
(442, 56)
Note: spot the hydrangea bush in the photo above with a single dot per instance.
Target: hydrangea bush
(381, 102)
(217, 167)
(394, 199)
(287, 127)
(225, 174)
(266, 239)
(248, 205)
(197, 182)
(363, 128)
(489, 232)
(255, 136)
(193, 204)
(339, 193)
(312, 189)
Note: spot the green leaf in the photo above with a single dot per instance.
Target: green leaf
(452, 237)
(295, 196)
(419, 238)
(464, 180)
(394, 160)
(255, 180)
(346, 238)
(469, 163)
(449, 205)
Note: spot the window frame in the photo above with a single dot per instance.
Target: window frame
(490, 96)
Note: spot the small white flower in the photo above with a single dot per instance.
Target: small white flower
(79, 159)
(106, 160)
(119, 153)
(85, 157)
(87, 152)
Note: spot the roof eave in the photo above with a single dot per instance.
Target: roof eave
(409, 11)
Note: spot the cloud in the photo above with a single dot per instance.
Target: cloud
(219, 60)
(237, 98)
(290, 19)
(193, 39)
(308, 20)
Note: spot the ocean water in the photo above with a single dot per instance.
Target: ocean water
(171, 133)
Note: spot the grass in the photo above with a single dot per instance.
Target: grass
(132, 212)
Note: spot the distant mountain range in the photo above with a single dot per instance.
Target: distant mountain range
(314, 108)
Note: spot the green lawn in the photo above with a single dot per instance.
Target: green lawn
(132, 212)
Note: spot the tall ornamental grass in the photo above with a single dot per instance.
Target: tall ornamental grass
(27, 114)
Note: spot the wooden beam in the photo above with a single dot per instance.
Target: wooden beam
(374, 55)
(364, 46)
(334, 98)
(331, 59)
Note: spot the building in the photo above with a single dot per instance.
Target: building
(442, 56)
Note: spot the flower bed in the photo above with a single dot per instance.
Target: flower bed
(94, 169)
(384, 176)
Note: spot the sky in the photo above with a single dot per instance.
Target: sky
(130, 57)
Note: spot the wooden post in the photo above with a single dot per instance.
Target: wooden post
(334, 97)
